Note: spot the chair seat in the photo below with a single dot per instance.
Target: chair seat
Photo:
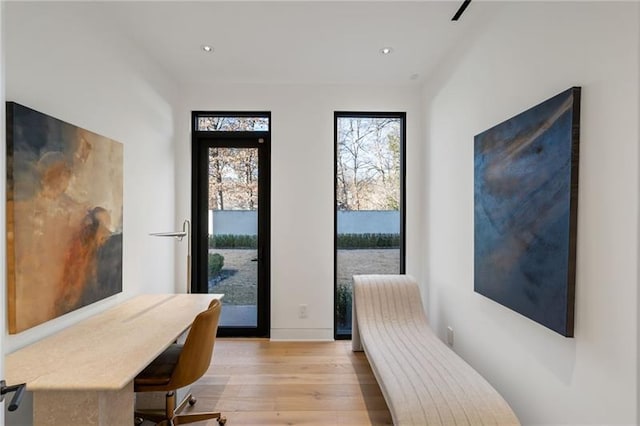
(159, 372)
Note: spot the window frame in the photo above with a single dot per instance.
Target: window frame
(403, 137)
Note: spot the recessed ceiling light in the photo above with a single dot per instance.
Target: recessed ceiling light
(386, 50)
(206, 48)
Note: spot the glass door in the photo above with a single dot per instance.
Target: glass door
(233, 228)
(232, 264)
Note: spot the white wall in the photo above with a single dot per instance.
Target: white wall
(302, 186)
(66, 63)
(529, 52)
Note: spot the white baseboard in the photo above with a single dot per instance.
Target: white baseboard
(301, 335)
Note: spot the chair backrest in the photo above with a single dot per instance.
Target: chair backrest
(197, 351)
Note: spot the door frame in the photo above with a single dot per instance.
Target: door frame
(201, 142)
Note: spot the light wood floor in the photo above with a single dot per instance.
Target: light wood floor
(257, 382)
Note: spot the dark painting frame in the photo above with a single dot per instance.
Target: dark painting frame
(526, 209)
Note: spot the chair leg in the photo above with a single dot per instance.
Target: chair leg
(155, 416)
(172, 415)
(160, 417)
(183, 403)
(182, 419)
(170, 404)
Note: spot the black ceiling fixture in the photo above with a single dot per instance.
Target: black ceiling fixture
(460, 11)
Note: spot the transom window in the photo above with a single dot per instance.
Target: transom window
(235, 123)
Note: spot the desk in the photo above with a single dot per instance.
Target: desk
(83, 375)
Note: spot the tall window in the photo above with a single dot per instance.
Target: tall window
(369, 202)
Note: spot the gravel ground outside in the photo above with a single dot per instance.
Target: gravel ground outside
(239, 285)
(370, 261)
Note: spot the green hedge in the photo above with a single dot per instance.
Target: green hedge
(229, 241)
(216, 262)
(345, 241)
(343, 301)
(363, 241)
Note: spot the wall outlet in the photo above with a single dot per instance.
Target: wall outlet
(450, 336)
(302, 311)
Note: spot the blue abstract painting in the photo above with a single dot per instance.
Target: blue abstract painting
(525, 210)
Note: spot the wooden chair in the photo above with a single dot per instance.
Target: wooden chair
(179, 366)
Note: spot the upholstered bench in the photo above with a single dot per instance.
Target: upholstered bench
(423, 381)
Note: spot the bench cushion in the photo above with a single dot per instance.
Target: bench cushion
(423, 381)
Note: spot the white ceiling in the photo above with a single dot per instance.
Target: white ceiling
(319, 42)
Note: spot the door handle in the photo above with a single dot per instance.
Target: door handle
(17, 397)
(259, 257)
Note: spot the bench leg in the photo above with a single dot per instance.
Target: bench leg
(356, 345)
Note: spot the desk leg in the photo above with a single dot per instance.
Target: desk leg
(90, 408)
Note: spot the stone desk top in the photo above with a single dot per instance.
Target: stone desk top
(107, 350)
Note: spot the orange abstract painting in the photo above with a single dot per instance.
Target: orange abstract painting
(64, 217)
